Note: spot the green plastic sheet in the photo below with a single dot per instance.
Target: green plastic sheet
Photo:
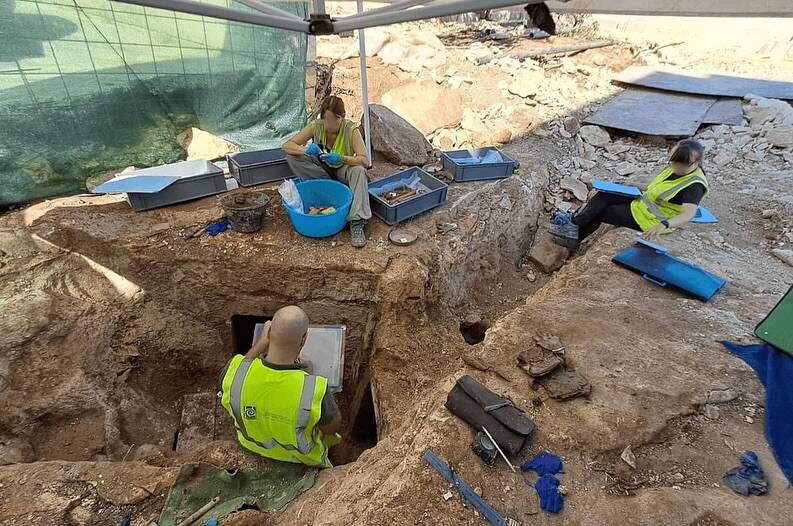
(268, 487)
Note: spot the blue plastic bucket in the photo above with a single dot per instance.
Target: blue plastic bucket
(324, 193)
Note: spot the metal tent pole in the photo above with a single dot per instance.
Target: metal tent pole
(259, 19)
(396, 6)
(319, 7)
(268, 9)
(365, 90)
(432, 10)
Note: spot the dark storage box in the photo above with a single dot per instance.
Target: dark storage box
(478, 172)
(259, 167)
(197, 179)
(393, 214)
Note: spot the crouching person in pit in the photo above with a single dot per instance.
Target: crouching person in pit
(336, 151)
(279, 408)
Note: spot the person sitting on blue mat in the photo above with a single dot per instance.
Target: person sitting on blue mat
(671, 200)
(337, 150)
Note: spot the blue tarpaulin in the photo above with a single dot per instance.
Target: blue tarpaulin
(775, 370)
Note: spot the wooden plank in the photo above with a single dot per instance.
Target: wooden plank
(725, 111)
(653, 113)
(712, 84)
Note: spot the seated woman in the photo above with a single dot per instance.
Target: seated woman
(671, 200)
(337, 151)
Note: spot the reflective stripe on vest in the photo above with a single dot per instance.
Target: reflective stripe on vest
(672, 191)
(304, 446)
(654, 205)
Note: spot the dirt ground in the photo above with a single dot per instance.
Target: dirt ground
(111, 320)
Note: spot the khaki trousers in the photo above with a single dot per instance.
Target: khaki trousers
(353, 176)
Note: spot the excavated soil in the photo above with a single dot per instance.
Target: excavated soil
(114, 329)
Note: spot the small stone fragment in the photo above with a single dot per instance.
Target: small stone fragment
(572, 125)
(720, 396)
(625, 168)
(594, 135)
(576, 187)
(628, 457)
(786, 256)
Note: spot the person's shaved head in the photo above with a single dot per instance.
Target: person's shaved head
(288, 329)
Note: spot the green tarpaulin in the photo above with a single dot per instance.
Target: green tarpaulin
(88, 86)
(268, 487)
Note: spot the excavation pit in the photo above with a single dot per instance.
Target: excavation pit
(127, 324)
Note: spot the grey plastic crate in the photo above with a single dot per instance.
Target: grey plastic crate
(197, 179)
(478, 172)
(259, 167)
(393, 214)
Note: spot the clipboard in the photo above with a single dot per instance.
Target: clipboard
(325, 346)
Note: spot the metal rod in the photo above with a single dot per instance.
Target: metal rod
(365, 91)
(554, 50)
(493, 440)
(259, 19)
(434, 10)
(396, 6)
(319, 7)
(268, 9)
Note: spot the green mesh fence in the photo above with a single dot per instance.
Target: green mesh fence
(88, 86)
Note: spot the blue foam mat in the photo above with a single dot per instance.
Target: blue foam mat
(615, 188)
(703, 214)
(664, 270)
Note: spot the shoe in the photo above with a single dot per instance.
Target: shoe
(564, 231)
(357, 233)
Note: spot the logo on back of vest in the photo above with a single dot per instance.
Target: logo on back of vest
(250, 412)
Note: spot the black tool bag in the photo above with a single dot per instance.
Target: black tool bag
(479, 406)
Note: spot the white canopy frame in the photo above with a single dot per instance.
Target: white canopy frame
(320, 23)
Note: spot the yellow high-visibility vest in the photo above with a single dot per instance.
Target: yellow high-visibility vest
(276, 412)
(654, 205)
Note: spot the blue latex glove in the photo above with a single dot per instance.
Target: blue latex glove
(543, 463)
(562, 218)
(313, 149)
(747, 479)
(547, 488)
(216, 227)
(330, 158)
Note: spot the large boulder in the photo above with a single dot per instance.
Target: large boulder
(203, 145)
(396, 139)
(426, 105)
(527, 83)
